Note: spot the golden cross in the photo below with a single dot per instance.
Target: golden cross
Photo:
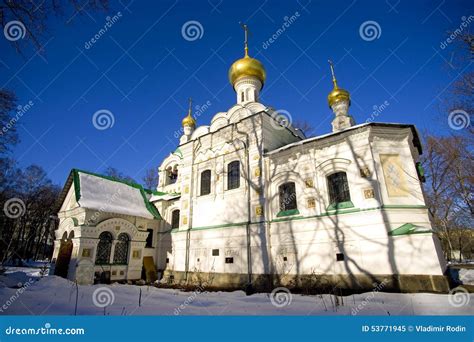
(331, 65)
(246, 40)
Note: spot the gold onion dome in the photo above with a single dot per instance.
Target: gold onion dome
(247, 66)
(189, 120)
(337, 94)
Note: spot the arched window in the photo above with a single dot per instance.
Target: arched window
(121, 249)
(103, 248)
(206, 182)
(243, 97)
(172, 175)
(233, 175)
(338, 188)
(175, 219)
(287, 194)
(149, 238)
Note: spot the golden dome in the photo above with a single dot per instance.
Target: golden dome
(245, 67)
(189, 120)
(337, 94)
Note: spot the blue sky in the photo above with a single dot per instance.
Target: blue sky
(143, 70)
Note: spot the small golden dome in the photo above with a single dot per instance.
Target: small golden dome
(245, 67)
(189, 120)
(337, 94)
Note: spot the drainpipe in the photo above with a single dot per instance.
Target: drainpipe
(249, 207)
(190, 218)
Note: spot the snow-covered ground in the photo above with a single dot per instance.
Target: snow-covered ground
(53, 295)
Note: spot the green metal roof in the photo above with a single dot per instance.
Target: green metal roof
(408, 229)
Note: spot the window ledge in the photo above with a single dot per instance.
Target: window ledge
(340, 205)
(288, 213)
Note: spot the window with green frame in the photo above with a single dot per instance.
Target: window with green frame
(287, 194)
(233, 175)
(338, 188)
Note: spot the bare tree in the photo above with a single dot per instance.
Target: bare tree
(32, 17)
(114, 173)
(8, 133)
(27, 232)
(449, 186)
(304, 126)
(150, 179)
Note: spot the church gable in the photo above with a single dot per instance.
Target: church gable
(70, 201)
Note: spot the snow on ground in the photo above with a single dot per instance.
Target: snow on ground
(466, 276)
(52, 295)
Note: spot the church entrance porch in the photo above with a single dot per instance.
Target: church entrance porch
(64, 256)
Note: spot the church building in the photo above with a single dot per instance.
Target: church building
(249, 200)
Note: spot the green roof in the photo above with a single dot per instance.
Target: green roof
(408, 229)
(178, 153)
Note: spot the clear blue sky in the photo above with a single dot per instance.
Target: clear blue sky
(143, 70)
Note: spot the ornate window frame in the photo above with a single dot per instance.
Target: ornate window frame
(122, 249)
(327, 168)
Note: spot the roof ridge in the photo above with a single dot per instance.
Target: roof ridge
(114, 179)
